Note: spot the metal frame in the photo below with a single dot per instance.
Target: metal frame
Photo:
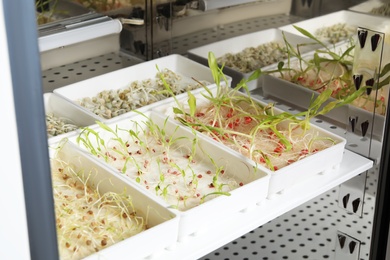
(25, 67)
(24, 60)
(380, 230)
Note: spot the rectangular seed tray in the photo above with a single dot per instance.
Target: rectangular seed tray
(121, 79)
(250, 184)
(68, 112)
(322, 162)
(299, 97)
(239, 43)
(162, 223)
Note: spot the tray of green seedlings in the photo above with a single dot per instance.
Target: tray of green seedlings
(285, 145)
(337, 27)
(302, 76)
(189, 174)
(99, 216)
(113, 95)
(63, 118)
(244, 54)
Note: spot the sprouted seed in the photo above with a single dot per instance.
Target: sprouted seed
(111, 103)
(58, 125)
(86, 220)
(252, 58)
(335, 33)
(166, 166)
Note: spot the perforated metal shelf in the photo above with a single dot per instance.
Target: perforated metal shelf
(181, 44)
(81, 70)
(306, 232)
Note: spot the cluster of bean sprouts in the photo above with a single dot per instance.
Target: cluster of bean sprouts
(111, 103)
(253, 58)
(384, 10)
(58, 125)
(335, 33)
(86, 220)
(167, 167)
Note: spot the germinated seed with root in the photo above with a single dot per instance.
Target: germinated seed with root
(112, 103)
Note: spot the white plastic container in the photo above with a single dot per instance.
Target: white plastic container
(352, 19)
(195, 218)
(321, 162)
(121, 79)
(238, 44)
(300, 97)
(367, 6)
(162, 223)
(68, 112)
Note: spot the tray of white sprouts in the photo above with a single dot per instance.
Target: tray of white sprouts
(114, 95)
(99, 216)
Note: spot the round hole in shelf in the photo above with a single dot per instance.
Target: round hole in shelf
(352, 145)
(333, 127)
